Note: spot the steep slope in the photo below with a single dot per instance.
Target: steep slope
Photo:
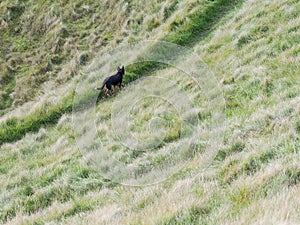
(252, 47)
(51, 41)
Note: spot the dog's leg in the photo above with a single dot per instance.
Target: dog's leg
(114, 89)
(108, 89)
(120, 87)
(106, 92)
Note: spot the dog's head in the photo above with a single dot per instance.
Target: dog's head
(121, 70)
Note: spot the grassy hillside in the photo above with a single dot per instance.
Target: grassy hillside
(50, 50)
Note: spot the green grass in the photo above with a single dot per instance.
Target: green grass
(15, 128)
(199, 21)
(192, 216)
(252, 48)
(235, 168)
(7, 82)
(236, 147)
(200, 24)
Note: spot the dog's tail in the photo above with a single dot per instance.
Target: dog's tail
(100, 88)
(103, 84)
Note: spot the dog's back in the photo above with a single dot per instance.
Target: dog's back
(114, 80)
(117, 78)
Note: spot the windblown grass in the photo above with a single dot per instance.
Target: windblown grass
(254, 178)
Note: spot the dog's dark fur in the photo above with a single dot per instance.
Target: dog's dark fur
(112, 81)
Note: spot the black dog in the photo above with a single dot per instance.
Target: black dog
(112, 81)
